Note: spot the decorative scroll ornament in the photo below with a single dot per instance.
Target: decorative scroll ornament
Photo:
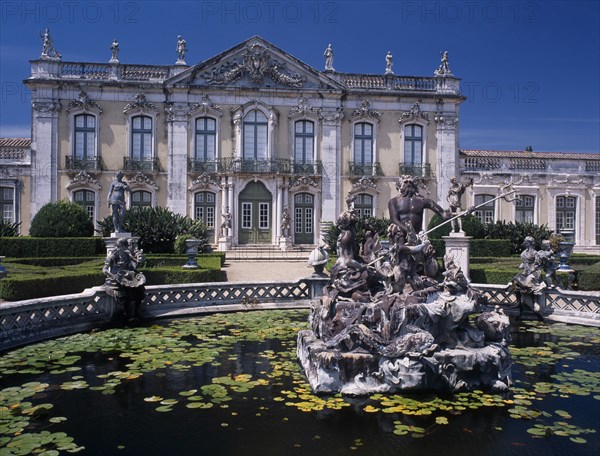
(363, 184)
(304, 108)
(256, 65)
(83, 179)
(365, 111)
(303, 183)
(140, 103)
(46, 106)
(204, 181)
(140, 180)
(206, 106)
(414, 113)
(85, 103)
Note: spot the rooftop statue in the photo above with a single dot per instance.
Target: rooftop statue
(181, 50)
(444, 68)
(389, 63)
(328, 54)
(48, 50)
(114, 49)
(388, 321)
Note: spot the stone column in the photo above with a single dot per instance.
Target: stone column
(447, 153)
(177, 141)
(44, 154)
(459, 247)
(331, 156)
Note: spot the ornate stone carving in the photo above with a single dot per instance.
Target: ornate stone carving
(364, 184)
(84, 102)
(176, 112)
(82, 178)
(140, 103)
(256, 65)
(332, 116)
(139, 179)
(303, 183)
(365, 111)
(46, 106)
(206, 106)
(304, 108)
(204, 181)
(414, 113)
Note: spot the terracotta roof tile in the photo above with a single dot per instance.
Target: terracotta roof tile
(15, 142)
(527, 154)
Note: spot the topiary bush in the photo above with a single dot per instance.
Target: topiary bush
(472, 226)
(157, 228)
(61, 219)
(517, 232)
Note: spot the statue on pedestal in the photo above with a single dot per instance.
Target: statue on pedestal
(285, 222)
(226, 224)
(181, 50)
(455, 193)
(389, 63)
(328, 54)
(114, 49)
(116, 200)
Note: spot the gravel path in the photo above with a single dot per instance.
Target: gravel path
(269, 270)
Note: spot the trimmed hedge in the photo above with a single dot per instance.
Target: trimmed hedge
(54, 261)
(176, 274)
(479, 247)
(589, 278)
(29, 247)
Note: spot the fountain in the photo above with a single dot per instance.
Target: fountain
(386, 324)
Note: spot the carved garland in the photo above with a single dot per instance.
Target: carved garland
(206, 106)
(140, 180)
(85, 103)
(364, 184)
(303, 183)
(365, 111)
(140, 103)
(414, 113)
(204, 181)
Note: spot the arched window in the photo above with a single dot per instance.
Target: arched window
(413, 145)
(204, 208)
(141, 198)
(141, 138)
(485, 213)
(566, 208)
(255, 136)
(84, 142)
(87, 199)
(7, 204)
(363, 205)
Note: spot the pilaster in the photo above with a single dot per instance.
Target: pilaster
(177, 124)
(331, 156)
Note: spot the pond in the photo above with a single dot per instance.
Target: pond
(230, 384)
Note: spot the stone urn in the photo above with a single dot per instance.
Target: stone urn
(191, 250)
(318, 258)
(565, 249)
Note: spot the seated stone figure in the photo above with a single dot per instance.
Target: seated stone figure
(528, 284)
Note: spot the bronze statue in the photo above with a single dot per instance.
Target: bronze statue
(116, 200)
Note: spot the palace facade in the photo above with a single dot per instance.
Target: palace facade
(254, 133)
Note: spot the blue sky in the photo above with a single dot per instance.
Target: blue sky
(530, 69)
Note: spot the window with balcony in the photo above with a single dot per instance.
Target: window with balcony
(205, 145)
(141, 138)
(85, 137)
(565, 216)
(413, 149)
(363, 145)
(7, 204)
(86, 199)
(255, 136)
(304, 140)
(524, 210)
(598, 220)
(363, 205)
(486, 213)
(141, 198)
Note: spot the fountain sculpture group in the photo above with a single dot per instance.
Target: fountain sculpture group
(385, 323)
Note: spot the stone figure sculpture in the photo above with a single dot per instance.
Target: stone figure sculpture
(389, 62)
(328, 54)
(123, 279)
(181, 50)
(116, 200)
(226, 224)
(455, 193)
(529, 284)
(48, 50)
(444, 68)
(285, 222)
(387, 323)
(114, 49)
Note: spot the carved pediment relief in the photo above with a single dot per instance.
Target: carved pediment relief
(204, 181)
(84, 103)
(140, 104)
(364, 184)
(365, 112)
(83, 180)
(304, 182)
(140, 180)
(414, 113)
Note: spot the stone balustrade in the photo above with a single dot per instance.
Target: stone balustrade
(18, 155)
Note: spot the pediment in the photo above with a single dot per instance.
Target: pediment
(254, 63)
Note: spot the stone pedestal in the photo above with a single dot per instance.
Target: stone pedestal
(458, 245)
(224, 244)
(285, 243)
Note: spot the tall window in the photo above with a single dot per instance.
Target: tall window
(204, 208)
(413, 145)
(304, 136)
(565, 213)
(524, 212)
(363, 205)
(598, 220)
(485, 213)
(363, 143)
(255, 136)
(85, 136)
(7, 204)
(206, 139)
(141, 138)
(141, 198)
(87, 199)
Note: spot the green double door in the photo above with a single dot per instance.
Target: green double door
(304, 209)
(255, 218)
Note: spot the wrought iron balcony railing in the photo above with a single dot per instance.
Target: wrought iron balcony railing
(141, 164)
(423, 170)
(87, 164)
(365, 169)
(312, 168)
